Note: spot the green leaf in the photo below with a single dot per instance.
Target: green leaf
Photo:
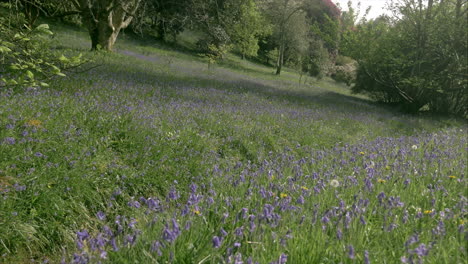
(4, 49)
(44, 28)
(62, 58)
(30, 75)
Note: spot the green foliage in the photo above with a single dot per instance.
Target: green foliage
(215, 53)
(319, 59)
(418, 61)
(163, 18)
(343, 60)
(25, 59)
(249, 27)
(328, 31)
(344, 70)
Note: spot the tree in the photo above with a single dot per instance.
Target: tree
(280, 13)
(105, 18)
(248, 28)
(418, 59)
(163, 17)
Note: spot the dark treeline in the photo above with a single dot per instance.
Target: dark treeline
(415, 58)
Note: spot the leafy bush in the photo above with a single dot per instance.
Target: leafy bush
(417, 61)
(26, 59)
(345, 74)
(343, 60)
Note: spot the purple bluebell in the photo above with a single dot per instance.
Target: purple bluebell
(216, 242)
(156, 247)
(9, 140)
(366, 257)
(351, 253)
(421, 250)
(101, 216)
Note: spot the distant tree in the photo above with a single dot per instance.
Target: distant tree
(248, 28)
(280, 13)
(162, 17)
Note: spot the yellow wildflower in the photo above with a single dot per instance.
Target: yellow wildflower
(362, 153)
(428, 211)
(452, 177)
(381, 180)
(34, 123)
(195, 211)
(304, 188)
(283, 195)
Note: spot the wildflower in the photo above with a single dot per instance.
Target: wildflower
(300, 200)
(381, 181)
(244, 212)
(223, 232)
(334, 183)
(366, 257)
(34, 123)
(414, 147)
(452, 177)
(413, 239)
(428, 211)
(339, 234)
(239, 231)
(9, 140)
(362, 153)
(304, 188)
(387, 167)
(283, 195)
(283, 258)
(101, 216)
(237, 244)
(195, 211)
(422, 250)
(82, 235)
(351, 253)
(216, 242)
(156, 247)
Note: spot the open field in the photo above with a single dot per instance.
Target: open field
(154, 158)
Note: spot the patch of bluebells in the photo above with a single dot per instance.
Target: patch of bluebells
(259, 208)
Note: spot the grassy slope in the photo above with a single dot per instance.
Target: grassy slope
(150, 119)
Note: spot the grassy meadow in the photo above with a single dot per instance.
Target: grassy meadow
(152, 157)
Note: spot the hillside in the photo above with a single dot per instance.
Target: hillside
(152, 157)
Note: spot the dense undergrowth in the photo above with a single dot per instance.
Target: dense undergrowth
(154, 158)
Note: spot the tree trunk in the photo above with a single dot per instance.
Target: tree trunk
(105, 19)
(280, 60)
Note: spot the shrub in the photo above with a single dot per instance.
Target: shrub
(416, 67)
(26, 59)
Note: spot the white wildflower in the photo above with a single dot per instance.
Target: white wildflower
(334, 183)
